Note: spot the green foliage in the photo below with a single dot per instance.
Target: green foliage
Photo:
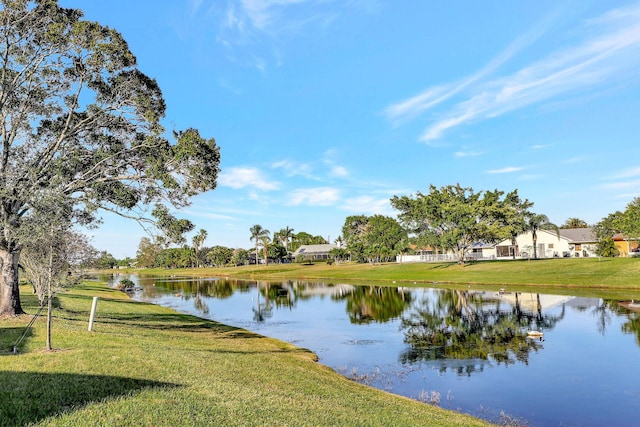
(125, 285)
(374, 239)
(574, 223)
(607, 248)
(608, 226)
(220, 256)
(147, 254)
(105, 261)
(276, 252)
(629, 222)
(239, 257)
(454, 217)
(82, 125)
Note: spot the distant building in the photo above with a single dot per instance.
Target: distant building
(314, 252)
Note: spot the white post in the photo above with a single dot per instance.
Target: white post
(93, 312)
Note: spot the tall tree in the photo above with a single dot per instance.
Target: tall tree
(80, 122)
(198, 241)
(257, 234)
(537, 222)
(147, 253)
(284, 236)
(265, 241)
(513, 217)
(455, 217)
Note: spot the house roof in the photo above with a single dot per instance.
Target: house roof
(579, 235)
(314, 249)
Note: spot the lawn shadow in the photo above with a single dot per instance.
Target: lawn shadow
(28, 397)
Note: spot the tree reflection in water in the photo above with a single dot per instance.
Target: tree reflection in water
(366, 304)
(462, 325)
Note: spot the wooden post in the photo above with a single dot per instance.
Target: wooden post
(93, 312)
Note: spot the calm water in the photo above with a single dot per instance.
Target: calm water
(464, 350)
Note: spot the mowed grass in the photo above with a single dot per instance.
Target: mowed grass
(145, 365)
(568, 273)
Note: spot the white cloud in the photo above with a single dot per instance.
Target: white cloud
(241, 177)
(508, 169)
(540, 146)
(431, 97)
(622, 184)
(262, 12)
(467, 153)
(368, 205)
(320, 196)
(292, 168)
(339, 171)
(610, 52)
(628, 173)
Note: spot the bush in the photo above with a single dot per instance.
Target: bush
(125, 285)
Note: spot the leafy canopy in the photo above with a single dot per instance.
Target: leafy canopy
(454, 217)
(81, 124)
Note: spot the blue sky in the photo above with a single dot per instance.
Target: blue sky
(328, 108)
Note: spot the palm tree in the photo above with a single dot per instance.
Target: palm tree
(257, 233)
(264, 243)
(284, 236)
(197, 241)
(537, 222)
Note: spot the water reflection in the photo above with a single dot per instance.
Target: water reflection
(471, 346)
(454, 324)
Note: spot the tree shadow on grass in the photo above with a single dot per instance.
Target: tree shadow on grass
(28, 397)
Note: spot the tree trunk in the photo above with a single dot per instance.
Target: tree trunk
(9, 290)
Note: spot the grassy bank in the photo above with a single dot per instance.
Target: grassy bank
(621, 274)
(146, 365)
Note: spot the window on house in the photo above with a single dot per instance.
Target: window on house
(503, 251)
(550, 245)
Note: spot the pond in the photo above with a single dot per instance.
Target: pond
(468, 350)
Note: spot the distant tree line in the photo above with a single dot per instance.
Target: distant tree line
(447, 219)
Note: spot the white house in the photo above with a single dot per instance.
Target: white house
(570, 242)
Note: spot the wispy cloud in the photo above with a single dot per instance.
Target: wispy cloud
(467, 153)
(265, 26)
(241, 177)
(410, 108)
(610, 51)
(367, 205)
(508, 169)
(628, 173)
(339, 171)
(540, 146)
(321, 196)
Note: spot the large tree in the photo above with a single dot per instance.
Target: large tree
(454, 217)
(81, 123)
(377, 238)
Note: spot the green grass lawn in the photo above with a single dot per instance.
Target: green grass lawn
(575, 275)
(146, 365)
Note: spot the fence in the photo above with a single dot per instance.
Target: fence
(441, 258)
